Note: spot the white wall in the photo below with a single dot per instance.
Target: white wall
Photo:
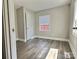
(16, 22)
(24, 22)
(30, 19)
(20, 23)
(59, 22)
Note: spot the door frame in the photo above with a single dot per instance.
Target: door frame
(25, 24)
(6, 29)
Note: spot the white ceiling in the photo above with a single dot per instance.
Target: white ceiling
(37, 5)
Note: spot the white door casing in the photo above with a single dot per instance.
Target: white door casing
(25, 24)
(12, 28)
(28, 29)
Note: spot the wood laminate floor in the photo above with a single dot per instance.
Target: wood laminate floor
(39, 48)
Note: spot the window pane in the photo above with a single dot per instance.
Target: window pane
(44, 23)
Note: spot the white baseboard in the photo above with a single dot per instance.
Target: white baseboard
(51, 38)
(33, 37)
(73, 50)
(18, 39)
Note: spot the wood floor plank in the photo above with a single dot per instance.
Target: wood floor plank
(39, 48)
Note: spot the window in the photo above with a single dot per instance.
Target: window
(44, 23)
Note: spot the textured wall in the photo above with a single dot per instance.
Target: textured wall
(58, 22)
(20, 23)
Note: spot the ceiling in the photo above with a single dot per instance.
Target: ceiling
(37, 5)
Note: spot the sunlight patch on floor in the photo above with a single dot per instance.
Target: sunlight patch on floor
(52, 54)
(67, 55)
